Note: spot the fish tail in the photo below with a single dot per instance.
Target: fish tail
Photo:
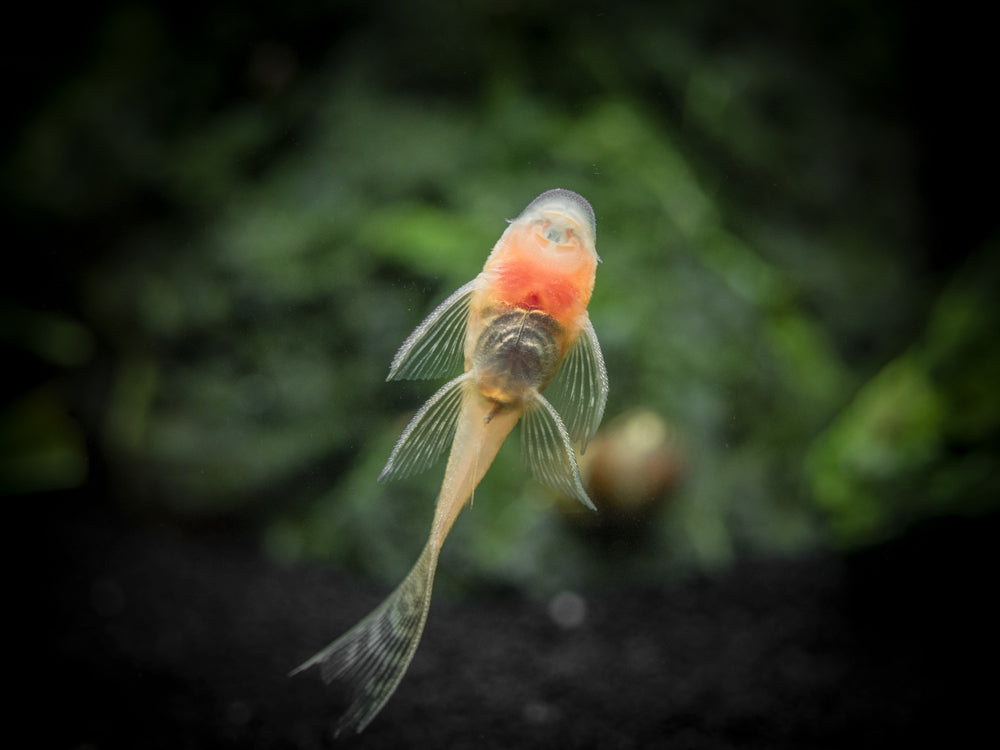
(372, 657)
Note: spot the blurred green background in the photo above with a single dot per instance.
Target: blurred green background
(226, 219)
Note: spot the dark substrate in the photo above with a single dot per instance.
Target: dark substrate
(156, 638)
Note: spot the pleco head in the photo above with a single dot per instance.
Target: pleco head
(562, 202)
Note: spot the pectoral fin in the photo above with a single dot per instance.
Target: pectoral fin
(548, 452)
(434, 349)
(580, 389)
(428, 434)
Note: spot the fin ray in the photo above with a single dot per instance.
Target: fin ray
(428, 434)
(548, 452)
(580, 389)
(435, 348)
(372, 657)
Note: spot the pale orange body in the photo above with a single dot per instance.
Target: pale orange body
(525, 271)
(520, 325)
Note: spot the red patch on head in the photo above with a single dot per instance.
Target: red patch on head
(528, 278)
(531, 287)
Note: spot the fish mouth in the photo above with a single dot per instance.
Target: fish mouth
(562, 200)
(558, 236)
(560, 228)
(567, 211)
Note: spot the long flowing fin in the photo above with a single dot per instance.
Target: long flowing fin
(429, 432)
(434, 349)
(579, 391)
(372, 657)
(548, 452)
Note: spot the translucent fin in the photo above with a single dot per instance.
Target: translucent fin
(548, 452)
(434, 349)
(371, 658)
(428, 434)
(580, 389)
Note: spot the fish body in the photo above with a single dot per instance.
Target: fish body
(520, 326)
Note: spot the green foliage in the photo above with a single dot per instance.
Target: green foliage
(920, 438)
(753, 218)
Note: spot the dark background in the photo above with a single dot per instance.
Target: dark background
(222, 220)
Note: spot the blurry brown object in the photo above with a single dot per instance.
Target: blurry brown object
(631, 467)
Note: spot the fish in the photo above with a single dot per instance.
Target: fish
(517, 329)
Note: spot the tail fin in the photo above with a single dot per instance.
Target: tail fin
(373, 655)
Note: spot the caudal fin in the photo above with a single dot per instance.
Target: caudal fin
(372, 657)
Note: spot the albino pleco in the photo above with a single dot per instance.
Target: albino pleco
(520, 326)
